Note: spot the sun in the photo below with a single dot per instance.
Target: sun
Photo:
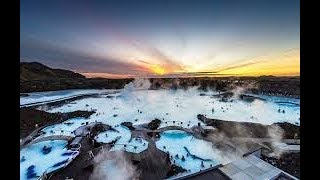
(158, 69)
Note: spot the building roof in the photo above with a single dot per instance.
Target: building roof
(251, 167)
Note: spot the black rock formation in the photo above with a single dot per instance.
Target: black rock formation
(128, 125)
(154, 124)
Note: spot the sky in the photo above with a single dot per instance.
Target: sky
(164, 38)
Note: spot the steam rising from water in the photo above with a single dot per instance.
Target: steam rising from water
(138, 84)
(113, 166)
(238, 90)
(276, 132)
(137, 104)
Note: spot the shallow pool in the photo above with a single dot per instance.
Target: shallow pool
(44, 156)
(123, 140)
(181, 145)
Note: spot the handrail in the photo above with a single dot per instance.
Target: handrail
(45, 173)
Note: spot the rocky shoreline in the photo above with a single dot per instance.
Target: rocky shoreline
(31, 119)
(288, 162)
(251, 130)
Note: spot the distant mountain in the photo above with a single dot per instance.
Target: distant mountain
(30, 71)
(35, 76)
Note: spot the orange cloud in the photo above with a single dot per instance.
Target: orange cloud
(281, 64)
(107, 75)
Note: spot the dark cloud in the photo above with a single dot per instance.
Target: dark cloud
(196, 74)
(237, 66)
(144, 62)
(57, 56)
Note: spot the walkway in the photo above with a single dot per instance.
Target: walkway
(47, 138)
(32, 135)
(167, 128)
(69, 98)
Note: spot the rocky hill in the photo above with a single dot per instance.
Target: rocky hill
(30, 71)
(35, 76)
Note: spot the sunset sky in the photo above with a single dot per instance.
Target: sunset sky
(163, 38)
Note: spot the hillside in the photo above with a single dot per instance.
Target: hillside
(30, 71)
(35, 77)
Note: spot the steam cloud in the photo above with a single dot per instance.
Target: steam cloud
(276, 133)
(138, 84)
(238, 90)
(113, 166)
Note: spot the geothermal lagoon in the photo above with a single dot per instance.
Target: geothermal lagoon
(140, 106)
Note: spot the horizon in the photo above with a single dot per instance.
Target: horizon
(169, 76)
(132, 39)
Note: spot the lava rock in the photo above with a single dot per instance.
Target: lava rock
(207, 121)
(174, 169)
(128, 125)
(154, 124)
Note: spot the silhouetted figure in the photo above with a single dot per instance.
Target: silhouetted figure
(22, 159)
(46, 150)
(183, 159)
